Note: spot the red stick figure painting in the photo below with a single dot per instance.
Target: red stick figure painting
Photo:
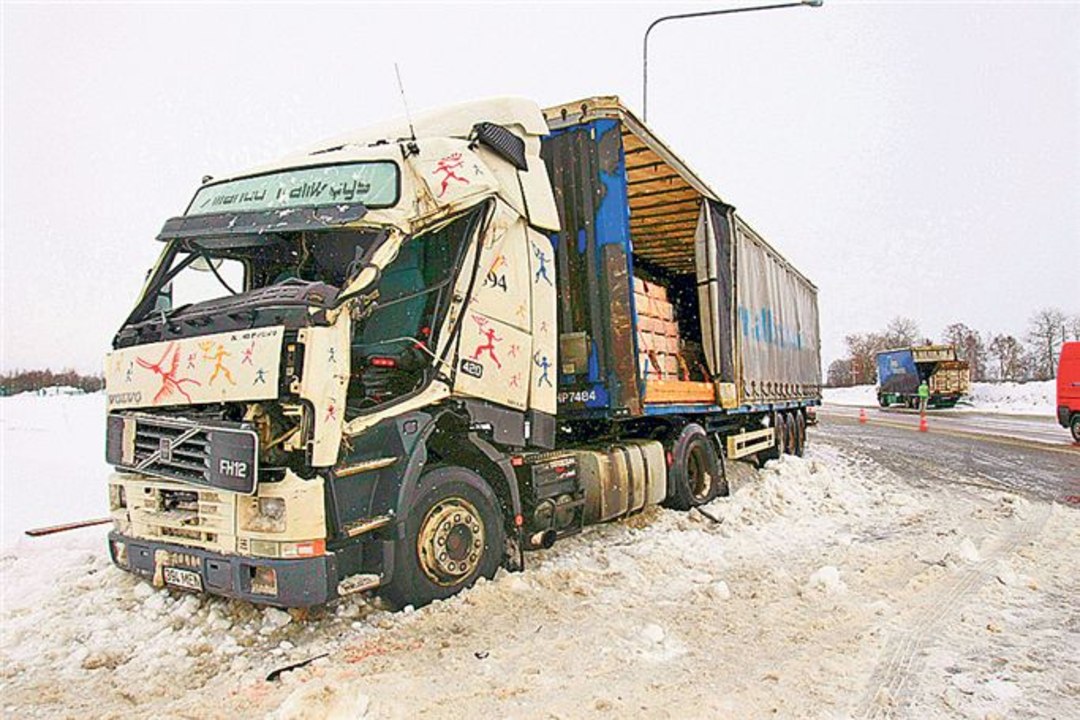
(489, 333)
(170, 383)
(448, 165)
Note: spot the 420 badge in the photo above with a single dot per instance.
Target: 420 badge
(472, 368)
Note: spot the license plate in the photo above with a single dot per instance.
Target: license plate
(186, 579)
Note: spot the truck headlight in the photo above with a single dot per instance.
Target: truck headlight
(264, 515)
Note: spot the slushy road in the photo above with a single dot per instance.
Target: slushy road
(1016, 427)
(1025, 455)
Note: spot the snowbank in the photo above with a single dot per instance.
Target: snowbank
(858, 395)
(1031, 398)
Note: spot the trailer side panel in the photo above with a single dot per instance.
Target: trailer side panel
(777, 341)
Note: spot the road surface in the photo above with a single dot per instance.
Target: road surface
(1027, 455)
(1017, 427)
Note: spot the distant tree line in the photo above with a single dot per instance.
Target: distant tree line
(991, 356)
(32, 380)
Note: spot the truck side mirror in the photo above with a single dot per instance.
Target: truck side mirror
(163, 301)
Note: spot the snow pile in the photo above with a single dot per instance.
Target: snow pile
(1030, 398)
(72, 620)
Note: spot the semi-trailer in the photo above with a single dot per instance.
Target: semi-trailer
(398, 359)
(901, 371)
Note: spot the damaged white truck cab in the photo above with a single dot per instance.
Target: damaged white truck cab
(342, 373)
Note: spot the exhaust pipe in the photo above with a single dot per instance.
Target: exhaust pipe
(542, 540)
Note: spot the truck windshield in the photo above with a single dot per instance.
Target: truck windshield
(194, 271)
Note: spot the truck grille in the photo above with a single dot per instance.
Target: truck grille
(172, 452)
(213, 454)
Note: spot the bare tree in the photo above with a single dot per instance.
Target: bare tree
(862, 349)
(969, 347)
(1045, 332)
(839, 374)
(1008, 354)
(900, 332)
(1073, 328)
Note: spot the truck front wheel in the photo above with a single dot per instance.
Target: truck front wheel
(694, 476)
(1075, 427)
(453, 536)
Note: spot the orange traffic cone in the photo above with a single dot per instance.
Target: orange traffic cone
(923, 425)
(862, 415)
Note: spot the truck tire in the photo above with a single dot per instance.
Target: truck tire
(791, 441)
(695, 476)
(454, 534)
(1074, 426)
(780, 435)
(883, 400)
(800, 433)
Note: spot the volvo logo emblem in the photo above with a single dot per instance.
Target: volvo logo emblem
(165, 449)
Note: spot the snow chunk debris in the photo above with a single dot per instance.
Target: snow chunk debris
(274, 619)
(967, 551)
(827, 579)
(320, 700)
(720, 591)
(653, 633)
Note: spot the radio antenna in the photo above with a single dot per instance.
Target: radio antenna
(408, 115)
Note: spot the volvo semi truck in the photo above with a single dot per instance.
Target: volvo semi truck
(398, 359)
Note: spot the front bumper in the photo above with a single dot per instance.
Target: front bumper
(304, 582)
(1064, 415)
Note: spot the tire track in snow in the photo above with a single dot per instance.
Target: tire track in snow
(894, 679)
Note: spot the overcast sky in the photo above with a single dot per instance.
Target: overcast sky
(917, 159)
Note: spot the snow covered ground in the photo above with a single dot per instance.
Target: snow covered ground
(831, 588)
(1031, 398)
(52, 461)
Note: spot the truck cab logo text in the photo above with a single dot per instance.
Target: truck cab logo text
(233, 468)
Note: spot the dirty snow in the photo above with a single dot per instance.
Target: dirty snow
(831, 588)
(1010, 398)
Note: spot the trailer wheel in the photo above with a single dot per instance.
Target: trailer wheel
(780, 436)
(791, 443)
(800, 433)
(1074, 426)
(453, 535)
(695, 476)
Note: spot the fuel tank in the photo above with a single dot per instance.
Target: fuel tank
(621, 478)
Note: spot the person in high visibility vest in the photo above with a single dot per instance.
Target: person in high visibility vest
(924, 396)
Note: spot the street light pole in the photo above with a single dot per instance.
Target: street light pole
(683, 16)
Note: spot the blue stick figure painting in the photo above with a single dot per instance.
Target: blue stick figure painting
(542, 362)
(541, 272)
